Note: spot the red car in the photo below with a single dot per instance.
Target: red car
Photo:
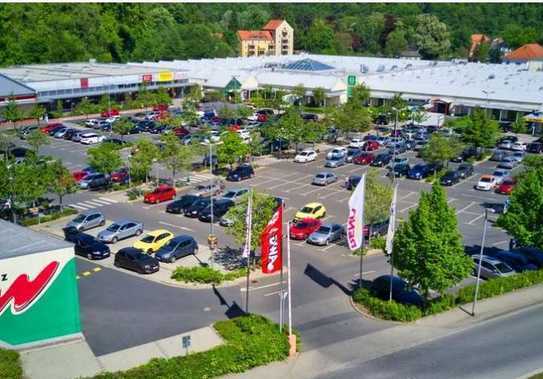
(161, 108)
(371, 146)
(163, 192)
(262, 117)
(364, 158)
(181, 132)
(302, 229)
(506, 187)
(120, 176)
(112, 112)
(81, 174)
(46, 129)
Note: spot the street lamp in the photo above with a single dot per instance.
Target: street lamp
(393, 179)
(485, 223)
(211, 238)
(487, 93)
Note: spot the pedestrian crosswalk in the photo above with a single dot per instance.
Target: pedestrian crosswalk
(200, 178)
(91, 204)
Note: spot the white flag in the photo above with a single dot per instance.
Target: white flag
(355, 222)
(248, 225)
(391, 222)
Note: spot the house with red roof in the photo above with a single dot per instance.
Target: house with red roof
(526, 53)
(275, 38)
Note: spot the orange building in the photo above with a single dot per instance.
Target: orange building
(525, 53)
(275, 38)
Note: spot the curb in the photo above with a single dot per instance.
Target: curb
(530, 374)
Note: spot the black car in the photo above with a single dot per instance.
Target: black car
(90, 247)
(352, 181)
(55, 129)
(195, 208)
(69, 133)
(146, 125)
(465, 170)
(401, 292)
(241, 173)
(534, 255)
(450, 178)
(535, 148)
(71, 233)
(98, 181)
(220, 207)
(470, 152)
(135, 260)
(518, 262)
(381, 160)
(181, 204)
(399, 170)
(115, 141)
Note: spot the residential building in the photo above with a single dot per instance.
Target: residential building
(525, 53)
(275, 38)
(476, 41)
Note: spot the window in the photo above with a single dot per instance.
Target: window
(487, 266)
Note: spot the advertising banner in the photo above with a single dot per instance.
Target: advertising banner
(271, 243)
(147, 78)
(355, 222)
(84, 82)
(165, 76)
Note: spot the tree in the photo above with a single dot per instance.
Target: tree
(59, 109)
(243, 111)
(378, 196)
(232, 149)
(319, 38)
(519, 126)
(290, 127)
(85, 107)
(482, 52)
(122, 126)
(6, 142)
(319, 96)
(194, 96)
(395, 42)
(479, 130)
(142, 157)
(61, 181)
(351, 118)
(441, 149)
(37, 139)
(360, 95)
(515, 35)
(226, 112)
(263, 208)
(431, 36)
(428, 249)
(104, 158)
(37, 112)
(11, 112)
(176, 156)
(299, 91)
(524, 216)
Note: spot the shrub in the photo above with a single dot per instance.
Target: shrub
(10, 365)
(387, 310)
(134, 193)
(205, 274)
(378, 242)
(251, 341)
(47, 218)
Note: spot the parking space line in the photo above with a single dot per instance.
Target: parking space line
(451, 200)
(86, 273)
(243, 289)
(466, 207)
(406, 196)
(475, 219)
(96, 269)
(92, 203)
(78, 207)
(407, 208)
(364, 273)
(176, 226)
(504, 242)
(272, 293)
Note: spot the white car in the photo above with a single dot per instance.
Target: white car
(517, 146)
(356, 142)
(337, 152)
(91, 123)
(486, 183)
(90, 138)
(112, 119)
(304, 156)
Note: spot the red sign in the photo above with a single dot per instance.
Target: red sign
(271, 243)
(147, 78)
(84, 82)
(23, 291)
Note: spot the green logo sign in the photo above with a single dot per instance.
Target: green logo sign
(351, 80)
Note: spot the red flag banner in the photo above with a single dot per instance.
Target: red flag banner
(271, 243)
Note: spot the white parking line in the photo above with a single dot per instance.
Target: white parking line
(243, 289)
(85, 205)
(77, 207)
(451, 200)
(475, 219)
(407, 208)
(363, 273)
(406, 196)
(466, 207)
(272, 293)
(176, 226)
(504, 242)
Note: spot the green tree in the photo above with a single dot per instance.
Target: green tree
(37, 112)
(431, 36)
(194, 96)
(226, 112)
(243, 111)
(61, 181)
(85, 107)
(378, 196)
(232, 149)
(480, 130)
(104, 158)
(360, 95)
(524, 217)
(289, 127)
(320, 38)
(105, 103)
(482, 52)
(519, 126)
(441, 149)
(515, 35)
(351, 118)
(319, 96)
(263, 208)
(395, 42)
(299, 91)
(37, 139)
(175, 155)
(11, 112)
(6, 142)
(144, 153)
(59, 109)
(122, 126)
(428, 249)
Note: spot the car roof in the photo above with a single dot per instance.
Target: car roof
(487, 177)
(312, 205)
(88, 134)
(130, 250)
(486, 258)
(88, 213)
(324, 173)
(125, 221)
(157, 232)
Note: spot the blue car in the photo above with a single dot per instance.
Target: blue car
(518, 262)
(177, 247)
(419, 171)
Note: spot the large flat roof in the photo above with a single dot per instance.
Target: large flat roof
(18, 241)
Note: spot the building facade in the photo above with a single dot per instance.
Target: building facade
(276, 38)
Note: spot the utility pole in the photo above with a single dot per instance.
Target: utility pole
(481, 254)
(393, 180)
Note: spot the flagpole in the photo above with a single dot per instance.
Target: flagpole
(390, 236)
(281, 296)
(291, 337)
(248, 247)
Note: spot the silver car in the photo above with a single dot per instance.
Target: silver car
(324, 178)
(120, 230)
(87, 220)
(491, 267)
(208, 189)
(508, 163)
(335, 161)
(326, 233)
(235, 194)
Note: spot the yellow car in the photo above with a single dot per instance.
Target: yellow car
(154, 240)
(311, 210)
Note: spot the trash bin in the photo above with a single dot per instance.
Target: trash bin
(212, 241)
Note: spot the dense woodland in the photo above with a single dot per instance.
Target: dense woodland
(40, 33)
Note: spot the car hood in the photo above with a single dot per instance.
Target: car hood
(99, 246)
(318, 236)
(106, 234)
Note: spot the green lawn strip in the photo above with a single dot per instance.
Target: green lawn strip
(394, 311)
(10, 365)
(47, 218)
(250, 341)
(206, 275)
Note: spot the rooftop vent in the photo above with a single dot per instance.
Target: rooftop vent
(491, 76)
(381, 68)
(364, 69)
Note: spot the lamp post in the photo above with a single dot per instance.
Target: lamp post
(487, 93)
(211, 238)
(483, 240)
(393, 180)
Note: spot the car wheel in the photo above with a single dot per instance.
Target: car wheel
(150, 251)
(172, 260)
(138, 232)
(102, 223)
(327, 242)
(114, 240)
(89, 256)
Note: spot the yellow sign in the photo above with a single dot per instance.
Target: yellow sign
(166, 76)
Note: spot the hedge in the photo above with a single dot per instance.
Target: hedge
(205, 274)
(47, 218)
(251, 341)
(10, 365)
(392, 310)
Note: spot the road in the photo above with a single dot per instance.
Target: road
(506, 347)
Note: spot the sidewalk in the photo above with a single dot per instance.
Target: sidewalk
(403, 336)
(75, 359)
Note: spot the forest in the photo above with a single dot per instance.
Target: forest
(110, 32)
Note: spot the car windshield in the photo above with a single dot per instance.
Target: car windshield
(498, 173)
(148, 239)
(324, 230)
(171, 245)
(79, 218)
(202, 203)
(113, 227)
(486, 180)
(304, 153)
(303, 224)
(508, 182)
(307, 210)
(503, 267)
(230, 194)
(321, 176)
